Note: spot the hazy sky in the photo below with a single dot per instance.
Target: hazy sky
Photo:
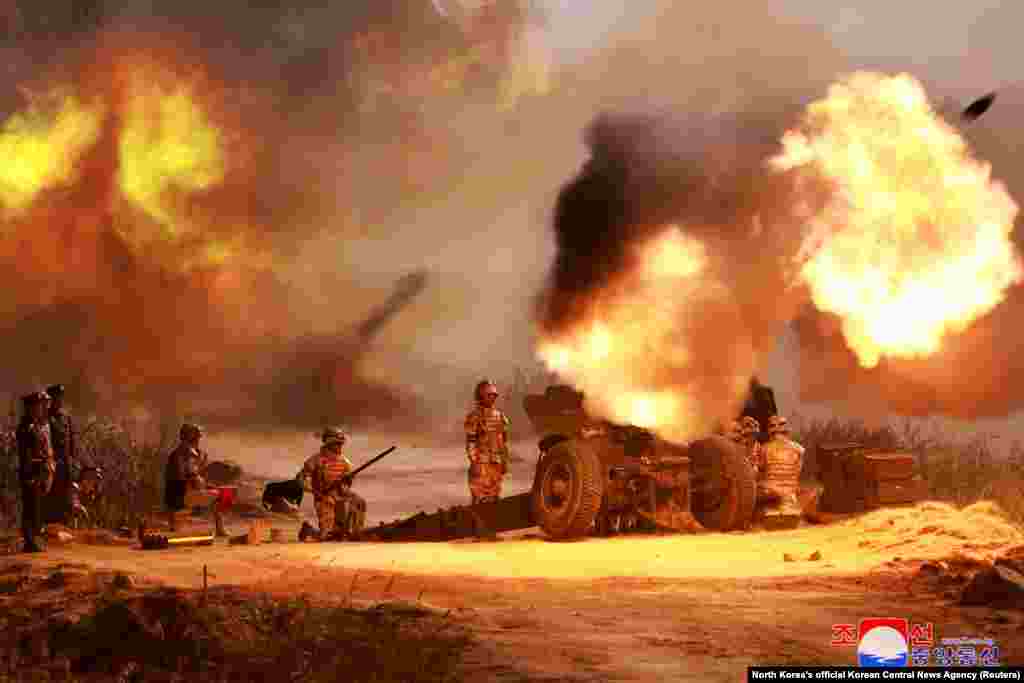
(971, 45)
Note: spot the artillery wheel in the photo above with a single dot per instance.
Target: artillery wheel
(724, 484)
(567, 491)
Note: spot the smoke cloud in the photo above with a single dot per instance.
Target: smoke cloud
(688, 159)
(365, 141)
(189, 189)
(703, 333)
(699, 172)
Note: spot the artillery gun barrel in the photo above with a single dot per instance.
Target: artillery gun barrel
(366, 464)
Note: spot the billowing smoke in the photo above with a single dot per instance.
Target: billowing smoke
(181, 190)
(674, 260)
(330, 151)
(684, 250)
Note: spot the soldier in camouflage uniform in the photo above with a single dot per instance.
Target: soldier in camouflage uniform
(778, 481)
(340, 513)
(36, 465)
(62, 432)
(486, 444)
(185, 476)
(744, 432)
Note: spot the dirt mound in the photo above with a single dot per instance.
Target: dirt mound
(977, 578)
(1001, 585)
(225, 635)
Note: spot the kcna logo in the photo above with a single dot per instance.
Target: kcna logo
(883, 642)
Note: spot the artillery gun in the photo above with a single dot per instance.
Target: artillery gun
(595, 477)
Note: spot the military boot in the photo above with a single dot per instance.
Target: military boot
(219, 529)
(307, 531)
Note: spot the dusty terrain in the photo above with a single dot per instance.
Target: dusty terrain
(629, 608)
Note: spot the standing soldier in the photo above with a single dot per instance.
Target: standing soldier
(778, 483)
(486, 444)
(64, 442)
(186, 474)
(36, 465)
(340, 513)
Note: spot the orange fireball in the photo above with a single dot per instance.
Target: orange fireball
(630, 353)
(915, 244)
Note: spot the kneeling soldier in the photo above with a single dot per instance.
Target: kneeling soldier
(340, 513)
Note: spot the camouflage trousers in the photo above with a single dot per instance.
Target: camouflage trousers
(340, 513)
(485, 481)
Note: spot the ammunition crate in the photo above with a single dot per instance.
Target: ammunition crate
(858, 478)
(843, 473)
(896, 492)
(889, 466)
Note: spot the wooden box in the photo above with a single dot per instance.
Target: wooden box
(896, 492)
(843, 474)
(889, 466)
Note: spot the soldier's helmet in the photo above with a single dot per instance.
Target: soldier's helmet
(190, 430)
(55, 390)
(749, 425)
(334, 435)
(35, 397)
(777, 425)
(485, 387)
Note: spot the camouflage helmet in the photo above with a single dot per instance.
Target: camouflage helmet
(334, 435)
(190, 430)
(749, 425)
(485, 386)
(35, 397)
(777, 425)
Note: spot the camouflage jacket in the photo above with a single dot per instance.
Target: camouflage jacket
(781, 464)
(487, 436)
(322, 470)
(35, 452)
(65, 439)
(186, 463)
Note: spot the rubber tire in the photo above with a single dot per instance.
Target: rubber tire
(586, 491)
(720, 459)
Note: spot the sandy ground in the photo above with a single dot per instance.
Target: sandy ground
(698, 608)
